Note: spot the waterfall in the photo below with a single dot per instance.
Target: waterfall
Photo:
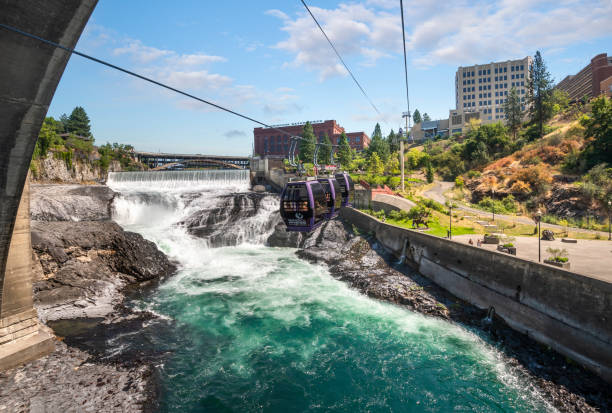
(236, 179)
(215, 207)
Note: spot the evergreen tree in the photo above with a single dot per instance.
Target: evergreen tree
(325, 150)
(377, 131)
(416, 116)
(539, 89)
(426, 117)
(64, 121)
(379, 145)
(78, 122)
(307, 143)
(514, 113)
(393, 140)
(345, 154)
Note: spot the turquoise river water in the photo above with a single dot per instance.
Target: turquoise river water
(257, 329)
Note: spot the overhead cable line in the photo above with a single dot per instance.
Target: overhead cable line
(405, 59)
(147, 79)
(342, 60)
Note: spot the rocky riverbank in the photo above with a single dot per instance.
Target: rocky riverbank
(84, 266)
(367, 267)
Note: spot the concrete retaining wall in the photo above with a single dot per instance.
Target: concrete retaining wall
(566, 311)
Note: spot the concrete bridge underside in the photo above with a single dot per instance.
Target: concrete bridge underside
(29, 75)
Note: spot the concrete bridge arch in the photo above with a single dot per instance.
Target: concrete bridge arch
(29, 75)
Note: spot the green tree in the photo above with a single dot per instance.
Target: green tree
(376, 165)
(598, 126)
(47, 137)
(539, 88)
(416, 116)
(558, 102)
(307, 143)
(429, 172)
(78, 122)
(379, 145)
(426, 117)
(514, 113)
(345, 154)
(393, 140)
(325, 150)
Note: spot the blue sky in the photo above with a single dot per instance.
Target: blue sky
(268, 60)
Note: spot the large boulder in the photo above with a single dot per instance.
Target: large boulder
(82, 267)
(71, 202)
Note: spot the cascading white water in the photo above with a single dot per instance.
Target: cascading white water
(255, 328)
(215, 206)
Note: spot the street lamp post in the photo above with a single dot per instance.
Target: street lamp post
(609, 220)
(493, 203)
(538, 219)
(450, 220)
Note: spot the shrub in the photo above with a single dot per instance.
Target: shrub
(474, 174)
(508, 245)
(538, 177)
(459, 182)
(394, 181)
(557, 254)
(520, 188)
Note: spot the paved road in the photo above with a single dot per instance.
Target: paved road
(440, 187)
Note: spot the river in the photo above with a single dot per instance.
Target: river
(252, 328)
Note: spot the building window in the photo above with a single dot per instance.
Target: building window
(480, 95)
(523, 83)
(479, 87)
(464, 105)
(480, 73)
(489, 87)
(512, 68)
(501, 110)
(522, 75)
(474, 96)
(522, 67)
(505, 69)
(488, 71)
(472, 73)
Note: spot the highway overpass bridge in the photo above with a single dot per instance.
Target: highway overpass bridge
(160, 161)
(29, 75)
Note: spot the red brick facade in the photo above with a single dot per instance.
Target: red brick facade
(272, 142)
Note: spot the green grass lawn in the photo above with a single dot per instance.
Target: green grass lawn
(435, 228)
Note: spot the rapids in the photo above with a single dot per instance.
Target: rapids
(252, 328)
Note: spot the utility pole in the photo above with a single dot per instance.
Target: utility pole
(405, 115)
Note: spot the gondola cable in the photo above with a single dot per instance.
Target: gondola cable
(147, 79)
(405, 61)
(342, 61)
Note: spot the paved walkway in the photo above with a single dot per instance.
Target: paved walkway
(436, 192)
(588, 257)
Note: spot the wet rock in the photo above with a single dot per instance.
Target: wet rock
(233, 219)
(366, 267)
(71, 202)
(86, 265)
(68, 381)
(280, 237)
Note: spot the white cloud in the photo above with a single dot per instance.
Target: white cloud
(457, 33)
(277, 13)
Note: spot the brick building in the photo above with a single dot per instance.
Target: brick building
(270, 141)
(588, 81)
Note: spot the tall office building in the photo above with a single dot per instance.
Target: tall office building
(481, 90)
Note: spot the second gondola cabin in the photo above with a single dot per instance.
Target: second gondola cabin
(333, 195)
(347, 188)
(303, 205)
